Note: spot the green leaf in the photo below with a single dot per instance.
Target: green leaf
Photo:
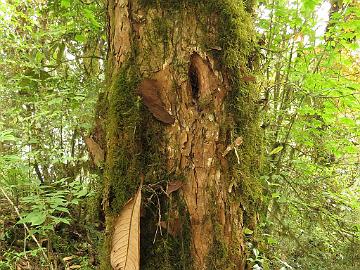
(39, 56)
(58, 220)
(75, 201)
(11, 158)
(89, 14)
(271, 241)
(57, 100)
(80, 38)
(248, 231)
(65, 3)
(35, 218)
(348, 121)
(81, 193)
(62, 209)
(7, 136)
(276, 150)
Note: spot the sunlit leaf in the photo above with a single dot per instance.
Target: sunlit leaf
(65, 3)
(248, 231)
(276, 150)
(35, 218)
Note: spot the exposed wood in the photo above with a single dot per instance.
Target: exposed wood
(95, 151)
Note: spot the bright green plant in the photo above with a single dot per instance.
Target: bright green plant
(51, 73)
(311, 123)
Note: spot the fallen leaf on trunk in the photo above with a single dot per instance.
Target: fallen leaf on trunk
(149, 91)
(125, 250)
(95, 151)
(173, 186)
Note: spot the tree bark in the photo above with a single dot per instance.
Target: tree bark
(177, 111)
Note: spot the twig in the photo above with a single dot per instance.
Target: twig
(25, 226)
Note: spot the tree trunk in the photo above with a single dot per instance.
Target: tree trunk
(180, 109)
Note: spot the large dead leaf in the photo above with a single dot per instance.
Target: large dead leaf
(125, 251)
(149, 91)
(95, 150)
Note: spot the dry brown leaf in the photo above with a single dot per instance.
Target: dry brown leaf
(95, 150)
(75, 266)
(125, 249)
(173, 226)
(248, 79)
(149, 91)
(238, 141)
(173, 186)
(68, 258)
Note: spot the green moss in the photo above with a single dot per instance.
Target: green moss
(218, 257)
(121, 176)
(246, 124)
(236, 36)
(133, 140)
(162, 28)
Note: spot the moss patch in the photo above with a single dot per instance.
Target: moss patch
(121, 176)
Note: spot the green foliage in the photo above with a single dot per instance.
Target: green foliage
(311, 123)
(50, 206)
(51, 74)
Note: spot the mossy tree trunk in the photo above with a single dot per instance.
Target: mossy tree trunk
(180, 110)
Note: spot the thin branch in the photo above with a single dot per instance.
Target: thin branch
(26, 227)
(38, 172)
